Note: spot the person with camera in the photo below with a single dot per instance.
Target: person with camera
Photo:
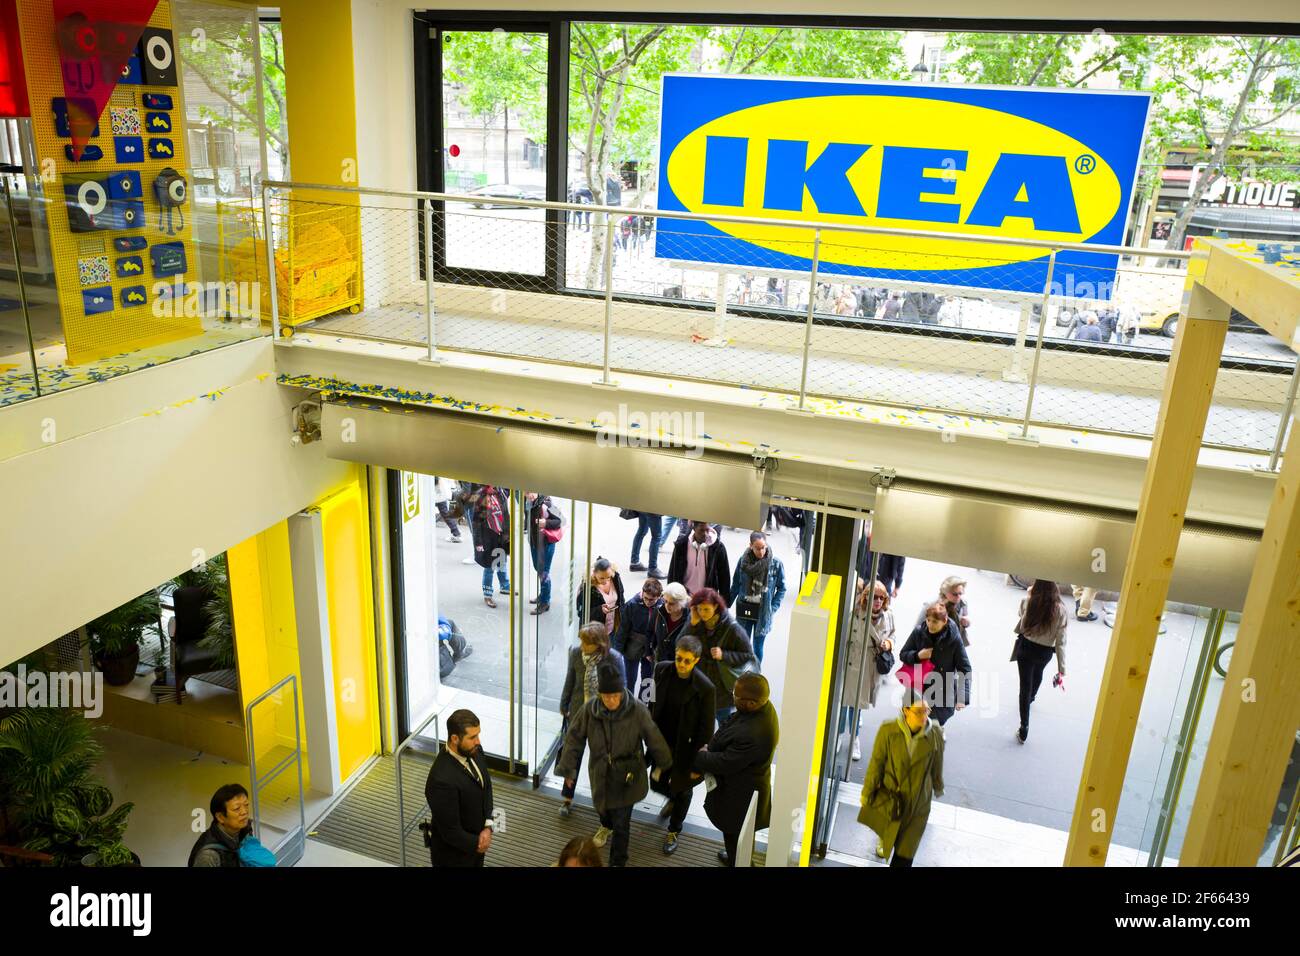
(618, 730)
(459, 791)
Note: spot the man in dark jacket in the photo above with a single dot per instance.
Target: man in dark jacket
(740, 759)
(889, 571)
(683, 711)
(459, 791)
(218, 845)
(619, 730)
(542, 516)
(635, 636)
(700, 561)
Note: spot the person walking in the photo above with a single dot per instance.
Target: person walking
(700, 561)
(1106, 322)
(727, 651)
(757, 590)
(952, 595)
(1129, 320)
(580, 683)
(1083, 598)
(889, 568)
(652, 524)
(602, 599)
(1040, 632)
(619, 731)
(683, 710)
(904, 774)
(459, 792)
(671, 622)
(946, 686)
(739, 757)
(490, 529)
(634, 639)
(442, 494)
(871, 639)
(545, 528)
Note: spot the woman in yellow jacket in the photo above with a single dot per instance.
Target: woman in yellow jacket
(905, 771)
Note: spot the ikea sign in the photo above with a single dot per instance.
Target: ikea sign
(1016, 163)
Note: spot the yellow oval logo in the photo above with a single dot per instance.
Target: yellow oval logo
(896, 161)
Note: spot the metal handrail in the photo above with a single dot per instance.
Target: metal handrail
(736, 220)
(403, 828)
(296, 757)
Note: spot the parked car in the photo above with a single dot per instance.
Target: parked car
(505, 191)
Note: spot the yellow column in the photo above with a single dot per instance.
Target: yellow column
(266, 637)
(1260, 709)
(319, 89)
(1150, 564)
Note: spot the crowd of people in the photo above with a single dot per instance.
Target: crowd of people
(663, 690)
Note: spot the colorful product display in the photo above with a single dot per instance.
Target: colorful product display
(157, 57)
(128, 149)
(167, 259)
(95, 301)
(161, 149)
(93, 270)
(130, 266)
(89, 153)
(134, 295)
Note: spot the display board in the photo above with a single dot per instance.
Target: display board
(1015, 163)
(120, 214)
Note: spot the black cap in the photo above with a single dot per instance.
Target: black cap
(609, 678)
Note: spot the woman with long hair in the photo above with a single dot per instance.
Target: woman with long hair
(601, 601)
(1039, 633)
(580, 683)
(872, 625)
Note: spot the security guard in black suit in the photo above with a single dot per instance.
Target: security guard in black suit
(459, 791)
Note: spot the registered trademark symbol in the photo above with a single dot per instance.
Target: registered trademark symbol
(1085, 164)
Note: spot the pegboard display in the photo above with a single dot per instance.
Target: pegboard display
(120, 217)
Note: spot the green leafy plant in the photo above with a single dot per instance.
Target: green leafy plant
(115, 633)
(50, 800)
(219, 630)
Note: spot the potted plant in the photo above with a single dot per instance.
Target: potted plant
(114, 638)
(218, 630)
(50, 801)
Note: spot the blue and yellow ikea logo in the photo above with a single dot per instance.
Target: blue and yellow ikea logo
(1027, 163)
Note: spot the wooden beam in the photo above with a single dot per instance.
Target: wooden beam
(1148, 570)
(1266, 293)
(1259, 712)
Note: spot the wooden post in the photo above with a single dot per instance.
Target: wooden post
(1259, 712)
(1147, 572)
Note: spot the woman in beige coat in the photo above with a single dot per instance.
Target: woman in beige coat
(904, 773)
(860, 669)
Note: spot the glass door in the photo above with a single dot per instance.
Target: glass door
(549, 624)
(845, 706)
(492, 90)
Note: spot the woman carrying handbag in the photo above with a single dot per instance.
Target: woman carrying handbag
(905, 772)
(1040, 633)
(866, 667)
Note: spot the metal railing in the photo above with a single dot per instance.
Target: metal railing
(588, 285)
(289, 849)
(403, 826)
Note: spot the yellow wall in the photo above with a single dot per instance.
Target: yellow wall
(266, 636)
(345, 529)
(320, 99)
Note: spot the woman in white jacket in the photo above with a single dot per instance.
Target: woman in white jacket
(877, 638)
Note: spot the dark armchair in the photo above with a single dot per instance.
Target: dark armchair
(191, 621)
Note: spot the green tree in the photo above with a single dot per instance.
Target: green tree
(495, 74)
(1216, 94)
(227, 67)
(616, 69)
